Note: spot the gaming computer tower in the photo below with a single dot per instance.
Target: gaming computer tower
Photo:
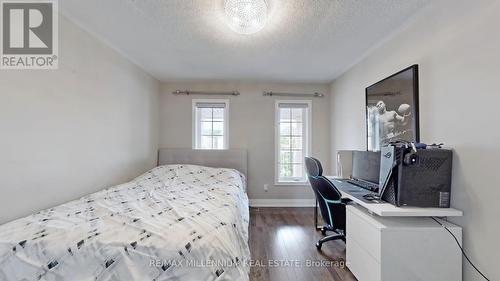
(415, 177)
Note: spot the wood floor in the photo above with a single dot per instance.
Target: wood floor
(282, 243)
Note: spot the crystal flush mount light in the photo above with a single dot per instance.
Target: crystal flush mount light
(246, 16)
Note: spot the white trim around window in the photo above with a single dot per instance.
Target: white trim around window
(207, 112)
(289, 157)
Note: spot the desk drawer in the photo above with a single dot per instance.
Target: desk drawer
(362, 264)
(362, 228)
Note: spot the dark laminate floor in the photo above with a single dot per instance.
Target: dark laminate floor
(286, 236)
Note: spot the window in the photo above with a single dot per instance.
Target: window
(293, 132)
(210, 124)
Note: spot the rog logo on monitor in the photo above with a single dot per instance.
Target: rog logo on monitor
(388, 155)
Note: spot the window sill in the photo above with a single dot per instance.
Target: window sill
(294, 183)
(217, 149)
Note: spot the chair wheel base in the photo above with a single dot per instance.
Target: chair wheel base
(318, 246)
(323, 231)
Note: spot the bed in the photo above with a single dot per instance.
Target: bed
(174, 222)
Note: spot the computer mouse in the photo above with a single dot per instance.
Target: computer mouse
(369, 197)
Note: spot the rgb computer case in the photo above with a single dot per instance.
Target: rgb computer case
(420, 179)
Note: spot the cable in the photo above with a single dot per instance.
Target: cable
(462, 249)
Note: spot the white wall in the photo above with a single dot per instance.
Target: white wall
(457, 45)
(251, 126)
(73, 131)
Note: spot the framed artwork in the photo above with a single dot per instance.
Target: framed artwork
(392, 109)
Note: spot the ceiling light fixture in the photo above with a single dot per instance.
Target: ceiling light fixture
(246, 16)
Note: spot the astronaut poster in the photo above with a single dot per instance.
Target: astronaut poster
(392, 109)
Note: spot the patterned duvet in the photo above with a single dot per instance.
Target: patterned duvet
(175, 222)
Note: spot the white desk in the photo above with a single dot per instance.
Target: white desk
(389, 243)
(389, 210)
(401, 248)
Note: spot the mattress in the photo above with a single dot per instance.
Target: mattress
(175, 222)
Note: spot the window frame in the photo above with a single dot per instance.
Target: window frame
(307, 139)
(196, 133)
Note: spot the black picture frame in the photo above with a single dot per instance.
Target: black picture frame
(406, 96)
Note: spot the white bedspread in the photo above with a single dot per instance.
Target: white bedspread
(175, 222)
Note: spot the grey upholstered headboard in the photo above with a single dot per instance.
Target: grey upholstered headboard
(227, 158)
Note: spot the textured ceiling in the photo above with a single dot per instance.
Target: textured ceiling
(303, 41)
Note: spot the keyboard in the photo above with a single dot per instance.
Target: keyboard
(366, 185)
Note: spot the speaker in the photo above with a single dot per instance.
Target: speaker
(344, 164)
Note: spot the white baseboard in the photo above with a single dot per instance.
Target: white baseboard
(282, 202)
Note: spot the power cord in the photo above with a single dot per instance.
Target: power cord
(462, 249)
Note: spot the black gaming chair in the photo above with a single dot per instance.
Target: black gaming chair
(330, 201)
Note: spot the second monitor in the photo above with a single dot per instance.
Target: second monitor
(366, 167)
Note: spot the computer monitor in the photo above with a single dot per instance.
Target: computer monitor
(366, 166)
